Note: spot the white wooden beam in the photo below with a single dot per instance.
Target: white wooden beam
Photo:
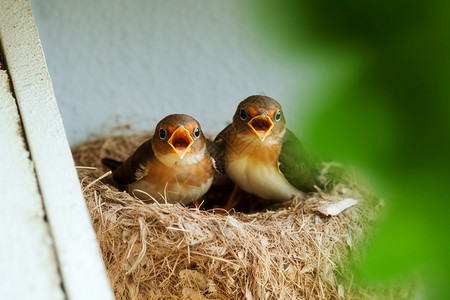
(28, 267)
(83, 273)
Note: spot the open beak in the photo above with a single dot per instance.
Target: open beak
(261, 126)
(180, 141)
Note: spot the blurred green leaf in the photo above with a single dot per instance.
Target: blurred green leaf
(382, 97)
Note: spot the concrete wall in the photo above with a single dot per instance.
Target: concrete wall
(116, 62)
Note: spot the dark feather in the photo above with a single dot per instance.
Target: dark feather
(218, 154)
(220, 137)
(218, 150)
(111, 163)
(133, 169)
(294, 163)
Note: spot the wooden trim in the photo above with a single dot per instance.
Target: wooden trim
(83, 273)
(28, 266)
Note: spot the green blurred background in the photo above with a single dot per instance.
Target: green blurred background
(379, 98)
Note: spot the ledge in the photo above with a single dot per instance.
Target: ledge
(51, 187)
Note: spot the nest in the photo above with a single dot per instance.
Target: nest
(301, 249)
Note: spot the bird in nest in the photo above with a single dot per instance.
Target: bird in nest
(175, 165)
(262, 156)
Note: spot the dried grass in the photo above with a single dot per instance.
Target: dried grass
(170, 251)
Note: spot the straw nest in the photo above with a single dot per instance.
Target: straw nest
(299, 249)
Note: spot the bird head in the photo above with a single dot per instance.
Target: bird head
(178, 137)
(260, 117)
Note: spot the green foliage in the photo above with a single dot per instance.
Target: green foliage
(382, 103)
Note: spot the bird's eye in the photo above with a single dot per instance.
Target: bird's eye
(278, 116)
(243, 114)
(196, 132)
(162, 134)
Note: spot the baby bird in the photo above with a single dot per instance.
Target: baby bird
(262, 156)
(175, 165)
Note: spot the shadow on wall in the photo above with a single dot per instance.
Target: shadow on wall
(381, 99)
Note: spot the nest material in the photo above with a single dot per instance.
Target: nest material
(170, 251)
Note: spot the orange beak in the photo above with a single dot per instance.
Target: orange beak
(180, 141)
(261, 126)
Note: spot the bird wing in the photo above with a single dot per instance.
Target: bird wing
(294, 164)
(218, 150)
(220, 137)
(217, 153)
(133, 169)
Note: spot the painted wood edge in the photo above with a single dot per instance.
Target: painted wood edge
(83, 272)
(27, 254)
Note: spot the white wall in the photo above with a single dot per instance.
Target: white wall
(116, 62)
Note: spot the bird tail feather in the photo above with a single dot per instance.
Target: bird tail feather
(111, 163)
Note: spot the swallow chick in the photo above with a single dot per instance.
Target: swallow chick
(262, 156)
(175, 165)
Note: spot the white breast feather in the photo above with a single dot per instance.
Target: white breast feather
(264, 180)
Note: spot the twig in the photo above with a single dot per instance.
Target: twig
(98, 179)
